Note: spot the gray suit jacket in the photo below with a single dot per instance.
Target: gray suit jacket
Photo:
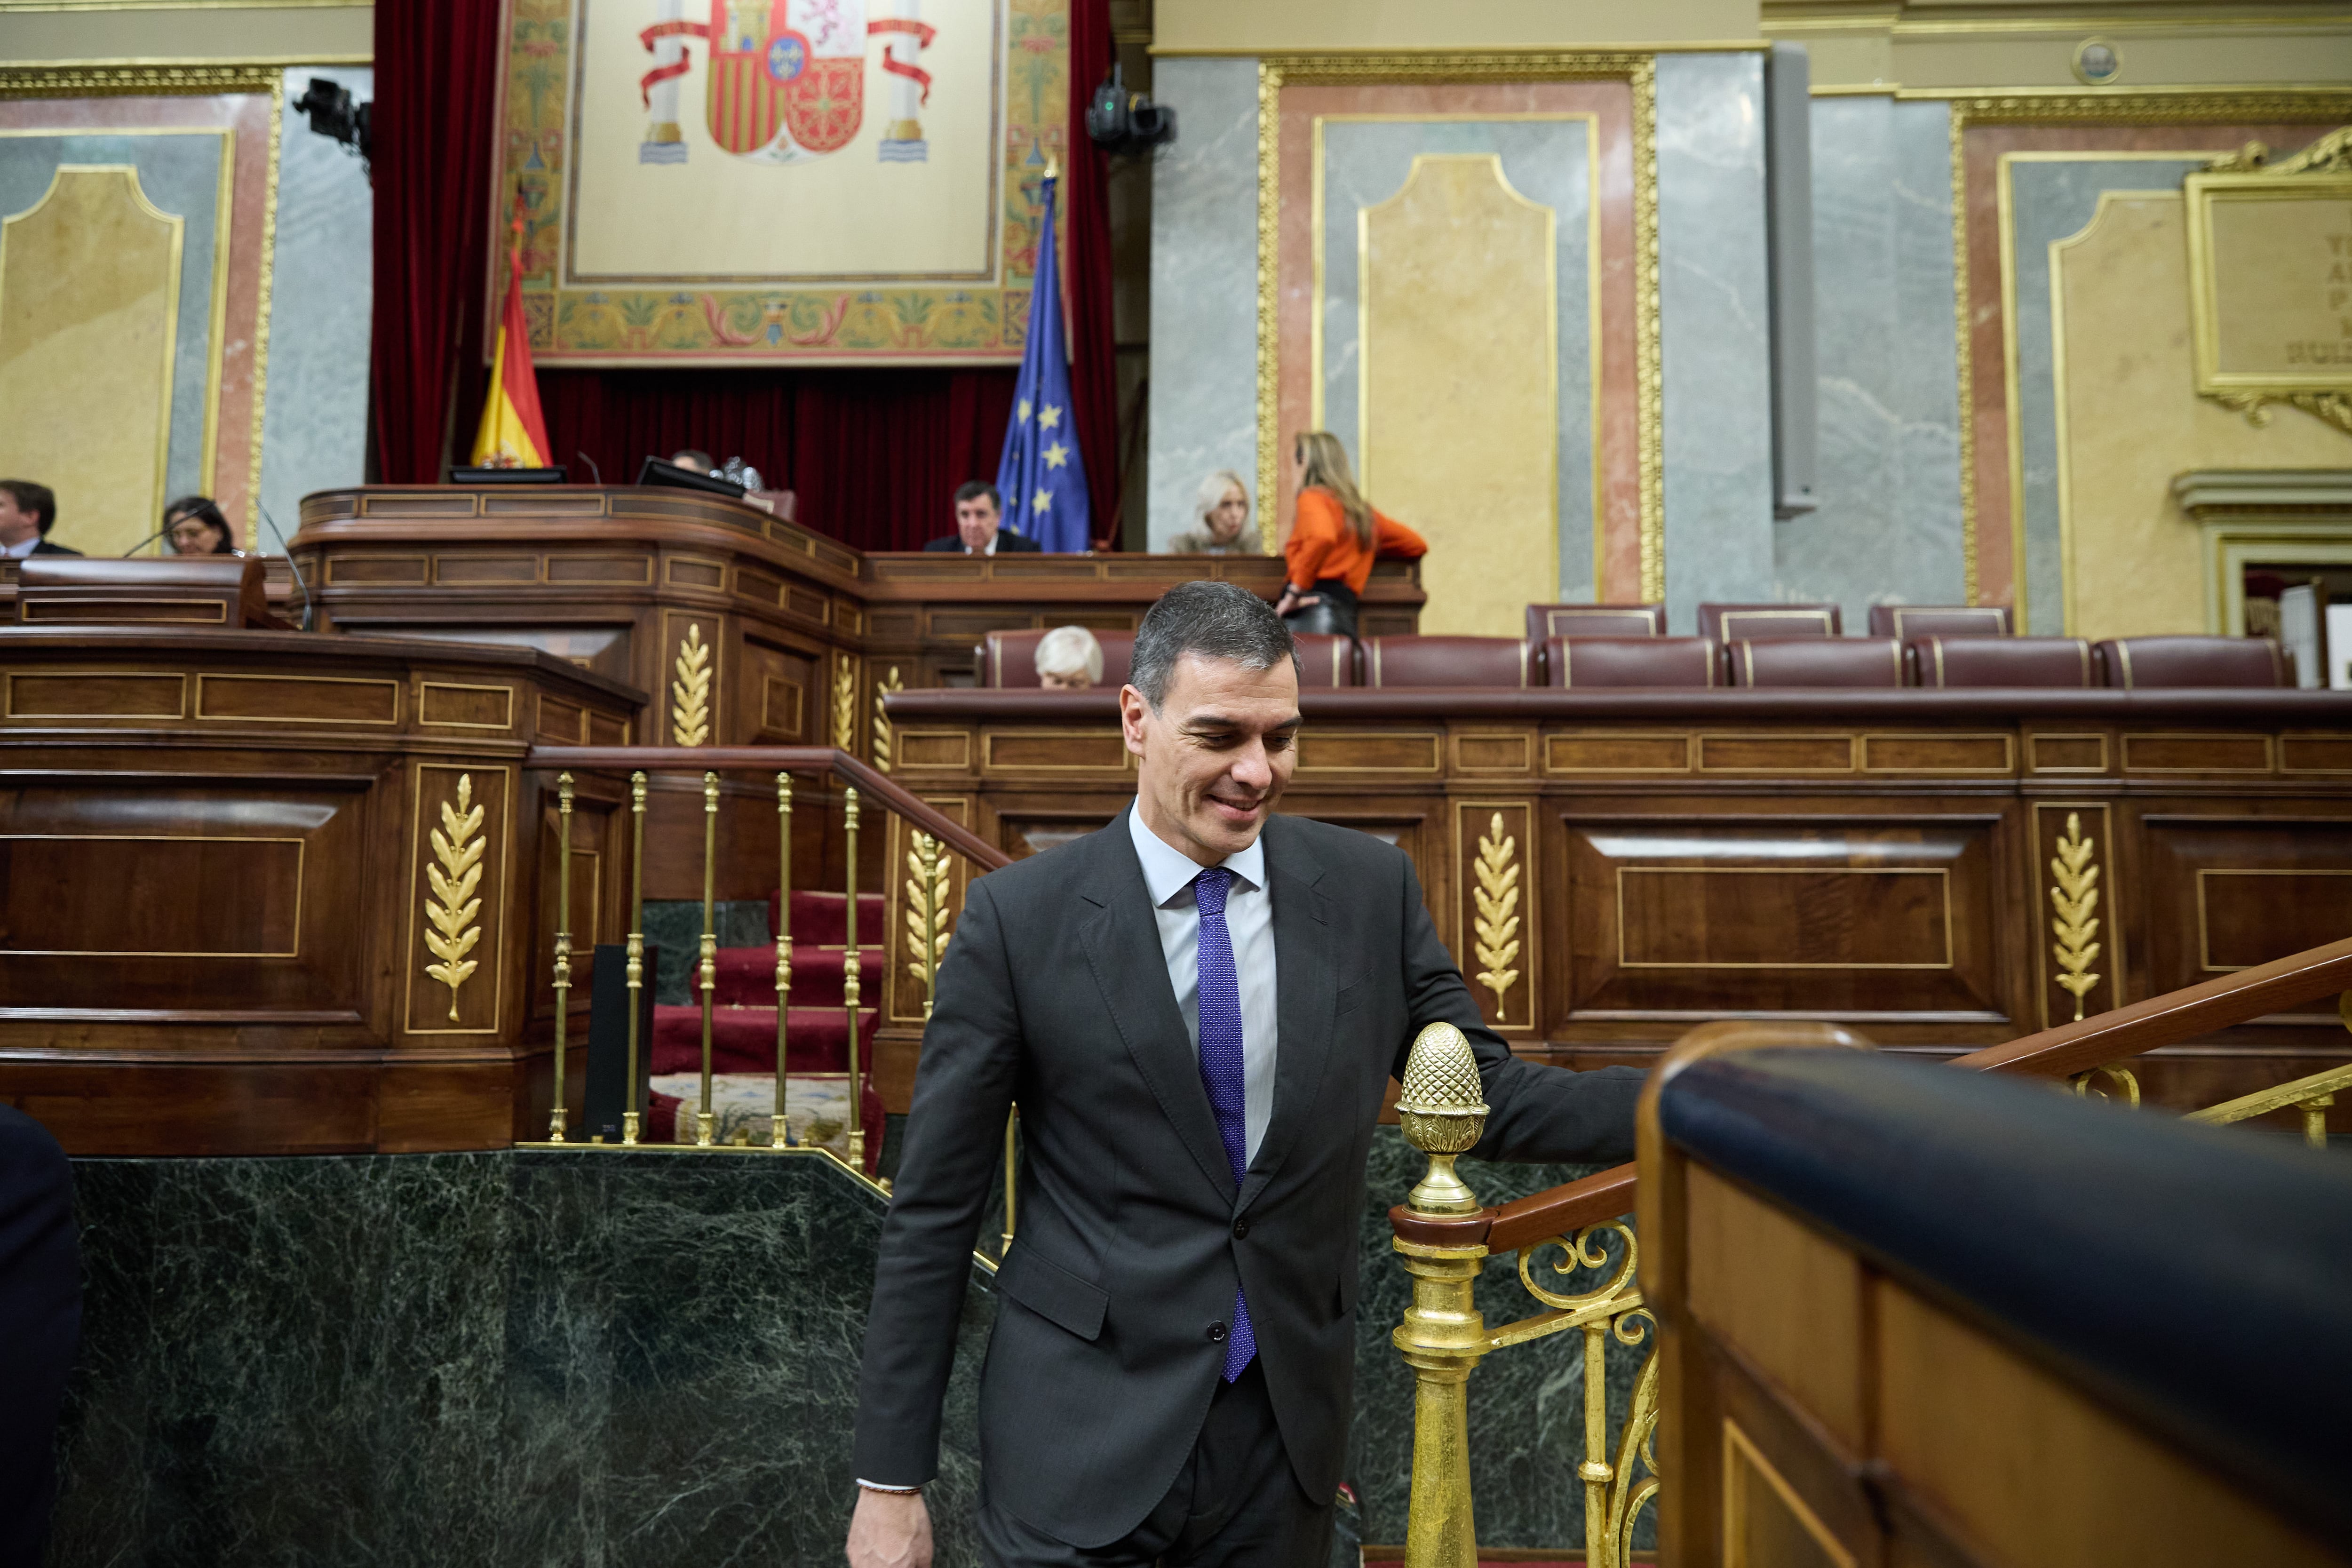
(1132, 1237)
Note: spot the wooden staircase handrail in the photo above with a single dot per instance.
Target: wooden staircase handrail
(778, 759)
(2069, 1048)
(2175, 1016)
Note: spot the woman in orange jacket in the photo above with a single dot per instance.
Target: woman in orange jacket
(1334, 538)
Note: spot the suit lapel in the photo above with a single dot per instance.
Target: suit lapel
(1305, 963)
(1123, 951)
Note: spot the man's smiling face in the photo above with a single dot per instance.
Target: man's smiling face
(1215, 758)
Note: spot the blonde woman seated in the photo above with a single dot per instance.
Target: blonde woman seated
(1068, 660)
(1224, 508)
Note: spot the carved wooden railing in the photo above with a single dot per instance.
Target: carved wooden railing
(929, 919)
(1445, 1238)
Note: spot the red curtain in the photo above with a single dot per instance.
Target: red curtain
(436, 65)
(1093, 385)
(872, 456)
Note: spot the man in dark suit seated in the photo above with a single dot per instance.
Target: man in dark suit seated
(1198, 1009)
(980, 518)
(40, 1325)
(27, 511)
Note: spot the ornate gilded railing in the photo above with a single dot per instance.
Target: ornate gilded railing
(1445, 1237)
(929, 918)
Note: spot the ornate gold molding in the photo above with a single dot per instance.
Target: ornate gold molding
(882, 737)
(844, 703)
(1498, 925)
(690, 693)
(144, 79)
(927, 912)
(2073, 895)
(453, 908)
(261, 321)
(1638, 70)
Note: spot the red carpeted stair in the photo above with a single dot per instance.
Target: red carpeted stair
(744, 1014)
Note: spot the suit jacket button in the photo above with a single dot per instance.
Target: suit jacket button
(1216, 1333)
(1241, 1228)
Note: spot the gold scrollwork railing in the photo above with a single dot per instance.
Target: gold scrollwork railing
(1445, 1238)
(930, 918)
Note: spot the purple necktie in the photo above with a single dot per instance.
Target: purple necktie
(1222, 1072)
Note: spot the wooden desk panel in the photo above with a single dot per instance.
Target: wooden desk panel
(1881, 859)
(218, 854)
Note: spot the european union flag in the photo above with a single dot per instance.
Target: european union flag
(1041, 477)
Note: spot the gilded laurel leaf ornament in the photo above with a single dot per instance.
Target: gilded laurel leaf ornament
(1498, 896)
(927, 912)
(2073, 899)
(690, 693)
(844, 704)
(882, 689)
(455, 873)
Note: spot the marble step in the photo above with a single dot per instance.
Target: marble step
(743, 1039)
(747, 976)
(819, 917)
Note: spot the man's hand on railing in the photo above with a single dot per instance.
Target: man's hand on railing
(891, 1529)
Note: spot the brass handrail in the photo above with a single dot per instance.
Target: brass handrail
(777, 759)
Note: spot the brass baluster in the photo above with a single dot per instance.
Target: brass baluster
(636, 971)
(849, 985)
(1012, 1120)
(1596, 1472)
(555, 1119)
(1442, 1335)
(779, 1134)
(2315, 1118)
(705, 1121)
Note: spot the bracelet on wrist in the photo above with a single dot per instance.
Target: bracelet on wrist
(890, 1491)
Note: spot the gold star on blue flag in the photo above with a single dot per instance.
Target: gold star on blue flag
(1038, 462)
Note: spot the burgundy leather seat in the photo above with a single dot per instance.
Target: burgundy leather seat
(1446, 661)
(1010, 658)
(1817, 661)
(1972, 660)
(1729, 624)
(1324, 660)
(1910, 623)
(1584, 663)
(1548, 621)
(2139, 663)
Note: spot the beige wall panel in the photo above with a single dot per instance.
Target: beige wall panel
(89, 303)
(1461, 385)
(2129, 420)
(1248, 25)
(1927, 51)
(296, 33)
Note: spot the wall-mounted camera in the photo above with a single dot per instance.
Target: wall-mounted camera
(334, 116)
(1118, 120)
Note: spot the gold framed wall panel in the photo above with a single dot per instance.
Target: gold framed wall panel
(300, 845)
(1638, 70)
(1944, 884)
(480, 999)
(2312, 104)
(1497, 913)
(2048, 825)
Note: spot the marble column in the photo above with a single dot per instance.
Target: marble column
(1714, 324)
(1203, 287)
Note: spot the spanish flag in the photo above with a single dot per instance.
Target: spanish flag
(513, 433)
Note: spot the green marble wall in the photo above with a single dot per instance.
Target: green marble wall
(522, 1359)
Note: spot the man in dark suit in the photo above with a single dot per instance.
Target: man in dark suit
(1198, 1010)
(27, 511)
(980, 518)
(41, 1324)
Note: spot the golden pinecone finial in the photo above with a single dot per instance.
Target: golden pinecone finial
(1444, 1111)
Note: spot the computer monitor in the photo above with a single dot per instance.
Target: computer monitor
(657, 472)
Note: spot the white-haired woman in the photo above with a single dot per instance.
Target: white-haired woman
(1223, 508)
(1068, 660)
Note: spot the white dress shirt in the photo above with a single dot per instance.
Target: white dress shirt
(21, 548)
(1249, 920)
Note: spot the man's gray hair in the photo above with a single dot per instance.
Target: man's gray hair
(1211, 620)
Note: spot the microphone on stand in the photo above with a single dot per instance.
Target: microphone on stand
(593, 468)
(146, 541)
(292, 565)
